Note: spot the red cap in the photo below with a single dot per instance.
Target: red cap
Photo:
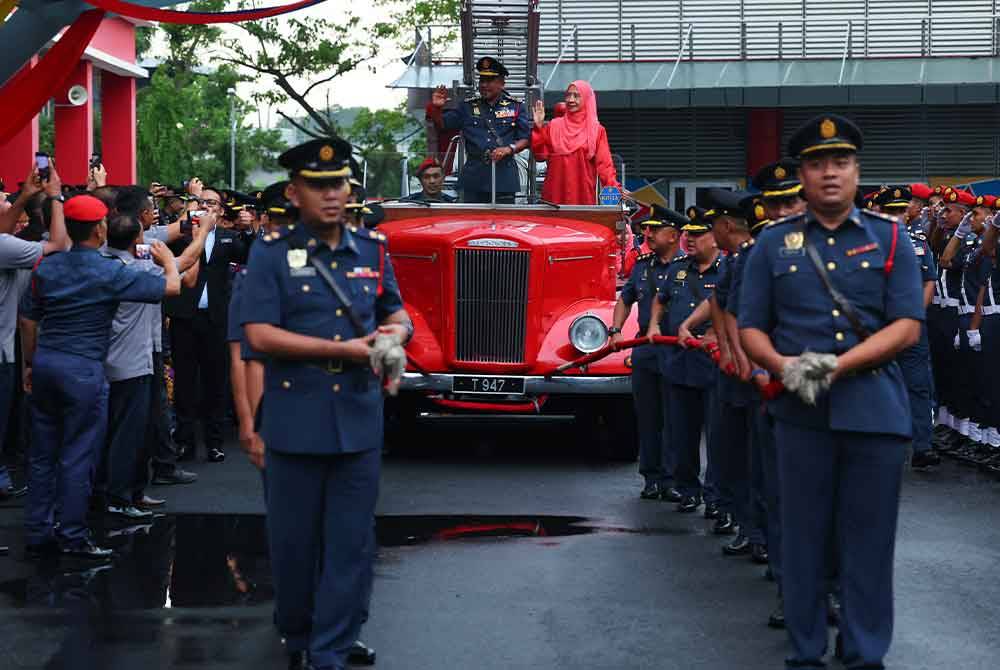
(986, 201)
(428, 163)
(921, 191)
(961, 197)
(85, 208)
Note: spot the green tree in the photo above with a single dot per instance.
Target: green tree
(377, 136)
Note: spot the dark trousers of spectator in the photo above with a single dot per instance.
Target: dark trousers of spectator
(159, 446)
(199, 357)
(128, 411)
(8, 378)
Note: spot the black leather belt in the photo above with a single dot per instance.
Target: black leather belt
(333, 366)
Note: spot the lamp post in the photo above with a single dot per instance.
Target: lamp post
(232, 138)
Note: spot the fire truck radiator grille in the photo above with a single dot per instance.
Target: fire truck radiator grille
(491, 305)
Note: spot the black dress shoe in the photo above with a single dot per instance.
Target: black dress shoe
(923, 460)
(671, 495)
(12, 492)
(725, 524)
(89, 551)
(712, 511)
(758, 553)
(185, 453)
(299, 660)
(175, 476)
(740, 546)
(651, 491)
(361, 654)
(832, 609)
(777, 617)
(4, 550)
(689, 504)
(216, 455)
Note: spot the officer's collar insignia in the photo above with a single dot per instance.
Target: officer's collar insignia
(794, 239)
(828, 129)
(779, 173)
(311, 243)
(682, 274)
(326, 153)
(504, 102)
(297, 258)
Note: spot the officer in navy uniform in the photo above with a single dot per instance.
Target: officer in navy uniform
(915, 362)
(829, 299)
(495, 128)
(323, 290)
(690, 280)
(657, 457)
(73, 300)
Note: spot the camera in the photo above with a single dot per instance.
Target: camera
(95, 161)
(42, 163)
(143, 252)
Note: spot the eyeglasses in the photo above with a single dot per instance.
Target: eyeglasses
(211, 202)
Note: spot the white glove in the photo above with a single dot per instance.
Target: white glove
(965, 227)
(809, 375)
(957, 342)
(975, 340)
(388, 360)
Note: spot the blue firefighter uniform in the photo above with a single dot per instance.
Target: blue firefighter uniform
(322, 423)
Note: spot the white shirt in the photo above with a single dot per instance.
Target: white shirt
(209, 245)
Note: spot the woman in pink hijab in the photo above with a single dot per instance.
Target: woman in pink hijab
(575, 146)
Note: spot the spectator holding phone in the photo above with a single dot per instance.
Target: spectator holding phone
(17, 257)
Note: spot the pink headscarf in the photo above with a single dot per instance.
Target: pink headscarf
(577, 130)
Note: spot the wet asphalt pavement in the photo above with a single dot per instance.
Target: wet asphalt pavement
(517, 553)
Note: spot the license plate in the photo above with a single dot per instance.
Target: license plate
(487, 384)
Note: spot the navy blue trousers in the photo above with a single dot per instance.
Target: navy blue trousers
(650, 393)
(689, 409)
(8, 377)
(69, 416)
(846, 484)
(764, 432)
(319, 520)
(915, 364)
(128, 415)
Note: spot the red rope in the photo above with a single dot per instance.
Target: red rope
(134, 11)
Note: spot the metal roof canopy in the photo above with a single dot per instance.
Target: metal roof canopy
(755, 83)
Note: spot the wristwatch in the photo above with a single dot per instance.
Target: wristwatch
(60, 197)
(513, 148)
(613, 330)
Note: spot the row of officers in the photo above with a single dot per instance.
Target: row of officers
(847, 326)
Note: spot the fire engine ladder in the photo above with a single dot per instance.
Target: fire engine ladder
(508, 31)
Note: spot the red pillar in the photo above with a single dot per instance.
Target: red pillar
(763, 138)
(17, 153)
(75, 128)
(118, 126)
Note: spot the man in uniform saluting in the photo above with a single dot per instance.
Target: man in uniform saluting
(322, 300)
(829, 299)
(494, 127)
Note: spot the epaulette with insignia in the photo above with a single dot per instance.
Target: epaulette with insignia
(371, 235)
(645, 257)
(680, 259)
(472, 97)
(279, 234)
(884, 217)
(792, 218)
(112, 257)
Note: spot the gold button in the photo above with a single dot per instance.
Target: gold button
(831, 241)
(305, 288)
(831, 266)
(794, 268)
(366, 289)
(333, 265)
(840, 337)
(339, 312)
(336, 388)
(836, 312)
(291, 226)
(865, 264)
(286, 384)
(692, 304)
(337, 338)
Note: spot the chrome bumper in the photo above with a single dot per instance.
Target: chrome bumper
(565, 385)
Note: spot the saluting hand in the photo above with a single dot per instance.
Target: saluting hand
(538, 113)
(439, 98)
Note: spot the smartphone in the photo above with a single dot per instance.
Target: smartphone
(143, 252)
(42, 163)
(95, 161)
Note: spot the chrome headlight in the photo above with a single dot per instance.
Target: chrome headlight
(588, 333)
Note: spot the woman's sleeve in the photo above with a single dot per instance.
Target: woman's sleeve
(605, 167)
(540, 142)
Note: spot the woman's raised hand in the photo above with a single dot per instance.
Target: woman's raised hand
(538, 113)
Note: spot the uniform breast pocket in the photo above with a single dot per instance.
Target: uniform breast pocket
(864, 280)
(363, 292)
(790, 277)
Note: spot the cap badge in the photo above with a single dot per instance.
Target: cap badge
(297, 258)
(898, 194)
(779, 173)
(794, 240)
(692, 212)
(979, 200)
(326, 153)
(758, 211)
(828, 129)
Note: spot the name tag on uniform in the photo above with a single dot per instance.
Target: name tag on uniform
(302, 272)
(505, 113)
(226, 240)
(363, 273)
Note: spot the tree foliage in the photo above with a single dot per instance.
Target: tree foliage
(376, 136)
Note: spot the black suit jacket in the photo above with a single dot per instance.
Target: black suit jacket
(217, 273)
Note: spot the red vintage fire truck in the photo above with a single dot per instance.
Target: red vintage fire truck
(502, 295)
